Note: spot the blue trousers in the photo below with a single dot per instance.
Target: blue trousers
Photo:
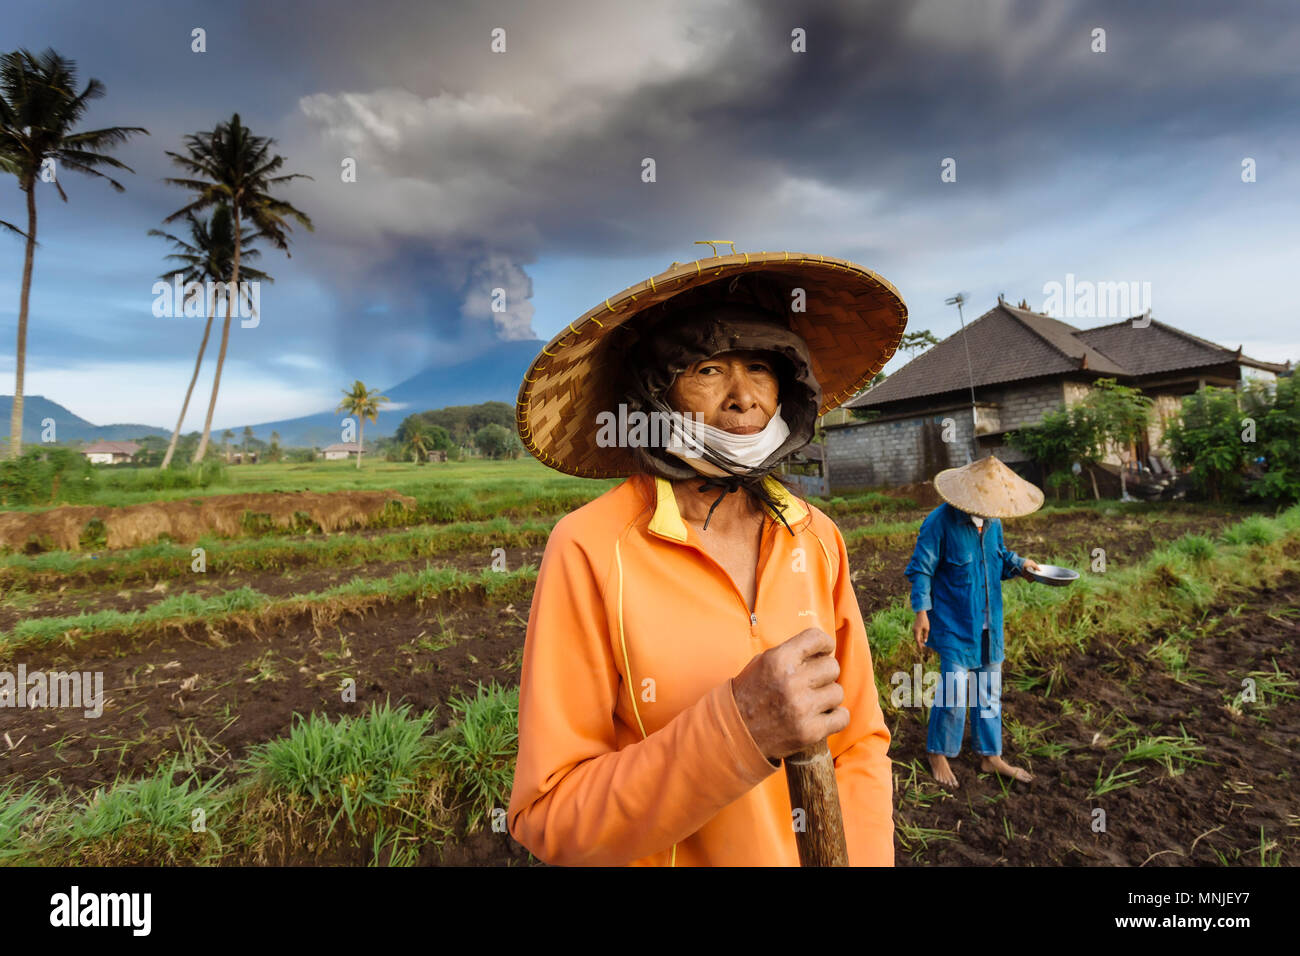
(960, 689)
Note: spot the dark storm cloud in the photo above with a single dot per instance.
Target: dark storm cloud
(474, 166)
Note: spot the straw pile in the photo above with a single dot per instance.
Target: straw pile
(184, 521)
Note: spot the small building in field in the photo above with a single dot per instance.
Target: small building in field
(1024, 364)
(438, 454)
(110, 452)
(341, 451)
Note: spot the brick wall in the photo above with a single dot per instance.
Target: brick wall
(898, 452)
(1027, 404)
(1076, 392)
(912, 449)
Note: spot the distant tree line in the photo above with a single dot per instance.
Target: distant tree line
(487, 428)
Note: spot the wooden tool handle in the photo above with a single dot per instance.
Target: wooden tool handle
(810, 775)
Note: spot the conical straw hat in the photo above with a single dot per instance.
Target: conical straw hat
(853, 322)
(989, 489)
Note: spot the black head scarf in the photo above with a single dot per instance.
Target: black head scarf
(657, 351)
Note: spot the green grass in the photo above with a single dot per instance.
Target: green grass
(377, 778)
(170, 561)
(872, 502)
(912, 836)
(1195, 546)
(1271, 687)
(1172, 753)
(151, 818)
(883, 532)
(1113, 781)
(348, 765)
(478, 750)
(17, 810)
(187, 608)
(1173, 651)
(1033, 741)
(1254, 530)
(449, 491)
(889, 629)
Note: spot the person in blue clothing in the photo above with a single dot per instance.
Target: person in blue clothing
(956, 571)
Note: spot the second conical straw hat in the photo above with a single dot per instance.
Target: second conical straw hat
(989, 489)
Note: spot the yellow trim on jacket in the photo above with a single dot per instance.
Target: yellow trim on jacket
(668, 522)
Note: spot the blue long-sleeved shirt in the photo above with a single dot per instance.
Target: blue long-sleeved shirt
(957, 582)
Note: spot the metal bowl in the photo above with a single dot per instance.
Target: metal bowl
(1053, 575)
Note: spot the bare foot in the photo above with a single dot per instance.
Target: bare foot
(942, 772)
(998, 765)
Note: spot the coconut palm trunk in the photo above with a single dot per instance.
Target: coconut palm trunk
(361, 439)
(231, 166)
(207, 331)
(232, 291)
(39, 112)
(24, 302)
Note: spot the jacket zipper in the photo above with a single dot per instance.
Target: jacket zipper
(753, 615)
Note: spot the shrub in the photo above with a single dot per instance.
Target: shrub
(1207, 437)
(1062, 438)
(44, 475)
(1278, 441)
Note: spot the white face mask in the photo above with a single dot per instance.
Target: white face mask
(688, 435)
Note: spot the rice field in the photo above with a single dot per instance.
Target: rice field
(288, 687)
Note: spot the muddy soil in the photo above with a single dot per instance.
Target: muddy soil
(82, 600)
(214, 692)
(217, 692)
(1210, 814)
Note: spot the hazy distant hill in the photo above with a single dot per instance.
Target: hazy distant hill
(67, 426)
(492, 376)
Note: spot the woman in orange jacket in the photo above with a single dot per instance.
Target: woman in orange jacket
(685, 637)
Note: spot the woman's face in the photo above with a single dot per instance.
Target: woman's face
(735, 391)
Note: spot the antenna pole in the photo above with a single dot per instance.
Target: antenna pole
(957, 300)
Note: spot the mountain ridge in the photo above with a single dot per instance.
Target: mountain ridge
(493, 375)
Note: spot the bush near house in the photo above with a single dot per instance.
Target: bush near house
(1112, 416)
(1241, 443)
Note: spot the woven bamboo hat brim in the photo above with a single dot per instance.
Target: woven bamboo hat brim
(989, 489)
(852, 326)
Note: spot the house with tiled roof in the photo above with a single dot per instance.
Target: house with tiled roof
(110, 452)
(1022, 365)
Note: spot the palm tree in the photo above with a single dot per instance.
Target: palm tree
(273, 453)
(39, 107)
(418, 440)
(230, 165)
(10, 165)
(206, 259)
(248, 437)
(225, 443)
(363, 403)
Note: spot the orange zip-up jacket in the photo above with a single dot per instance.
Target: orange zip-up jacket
(632, 750)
